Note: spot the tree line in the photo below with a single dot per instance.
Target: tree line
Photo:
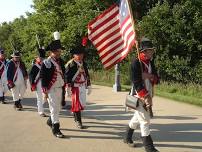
(174, 26)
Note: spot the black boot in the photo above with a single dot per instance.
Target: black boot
(16, 105)
(56, 130)
(75, 119)
(148, 144)
(49, 122)
(128, 137)
(2, 99)
(78, 120)
(20, 105)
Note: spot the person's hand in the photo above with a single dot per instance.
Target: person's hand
(148, 105)
(148, 101)
(68, 91)
(26, 83)
(89, 90)
(11, 85)
(147, 76)
(45, 96)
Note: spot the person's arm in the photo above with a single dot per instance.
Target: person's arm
(138, 82)
(10, 75)
(156, 78)
(32, 76)
(87, 74)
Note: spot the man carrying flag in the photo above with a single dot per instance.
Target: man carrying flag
(144, 76)
(113, 35)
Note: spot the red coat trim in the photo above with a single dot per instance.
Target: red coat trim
(142, 93)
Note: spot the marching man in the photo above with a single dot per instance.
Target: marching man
(144, 76)
(77, 81)
(17, 79)
(35, 81)
(52, 80)
(3, 78)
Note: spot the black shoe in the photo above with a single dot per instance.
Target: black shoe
(128, 137)
(20, 105)
(3, 102)
(16, 105)
(79, 125)
(148, 144)
(2, 99)
(56, 131)
(59, 134)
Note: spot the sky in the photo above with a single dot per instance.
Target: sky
(11, 9)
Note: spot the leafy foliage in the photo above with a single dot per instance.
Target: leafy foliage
(174, 26)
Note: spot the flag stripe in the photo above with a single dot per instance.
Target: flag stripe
(110, 44)
(103, 16)
(116, 52)
(113, 49)
(108, 40)
(101, 37)
(103, 25)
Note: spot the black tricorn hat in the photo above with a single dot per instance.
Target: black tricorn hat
(54, 45)
(15, 54)
(41, 52)
(146, 44)
(1, 51)
(78, 50)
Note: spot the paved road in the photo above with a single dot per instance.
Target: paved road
(177, 127)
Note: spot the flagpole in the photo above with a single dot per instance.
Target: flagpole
(117, 84)
(133, 23)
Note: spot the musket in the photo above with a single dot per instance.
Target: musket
(37, 39)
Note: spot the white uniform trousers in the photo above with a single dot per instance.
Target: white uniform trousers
(54, 101)
(2, 90)
(20, 86)
(39, 97)
(82, 95)
(3, 84)
(141, 116)
(18, 92)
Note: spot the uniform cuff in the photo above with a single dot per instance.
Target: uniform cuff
(45, 90)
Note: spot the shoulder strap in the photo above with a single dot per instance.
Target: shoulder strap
(2, 65)
(38, 74)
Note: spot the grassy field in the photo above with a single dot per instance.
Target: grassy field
(189, 93)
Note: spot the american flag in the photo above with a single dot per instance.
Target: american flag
(112, 34)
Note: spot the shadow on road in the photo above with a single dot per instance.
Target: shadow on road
(181, 131)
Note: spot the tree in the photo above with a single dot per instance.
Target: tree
(176, 32)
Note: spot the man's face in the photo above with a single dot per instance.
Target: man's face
(56, 53)
(2, 56)
(16, 58)
(78, 57)
(149, 53)
(38, 59)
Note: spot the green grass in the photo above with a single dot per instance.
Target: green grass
(190, 93)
